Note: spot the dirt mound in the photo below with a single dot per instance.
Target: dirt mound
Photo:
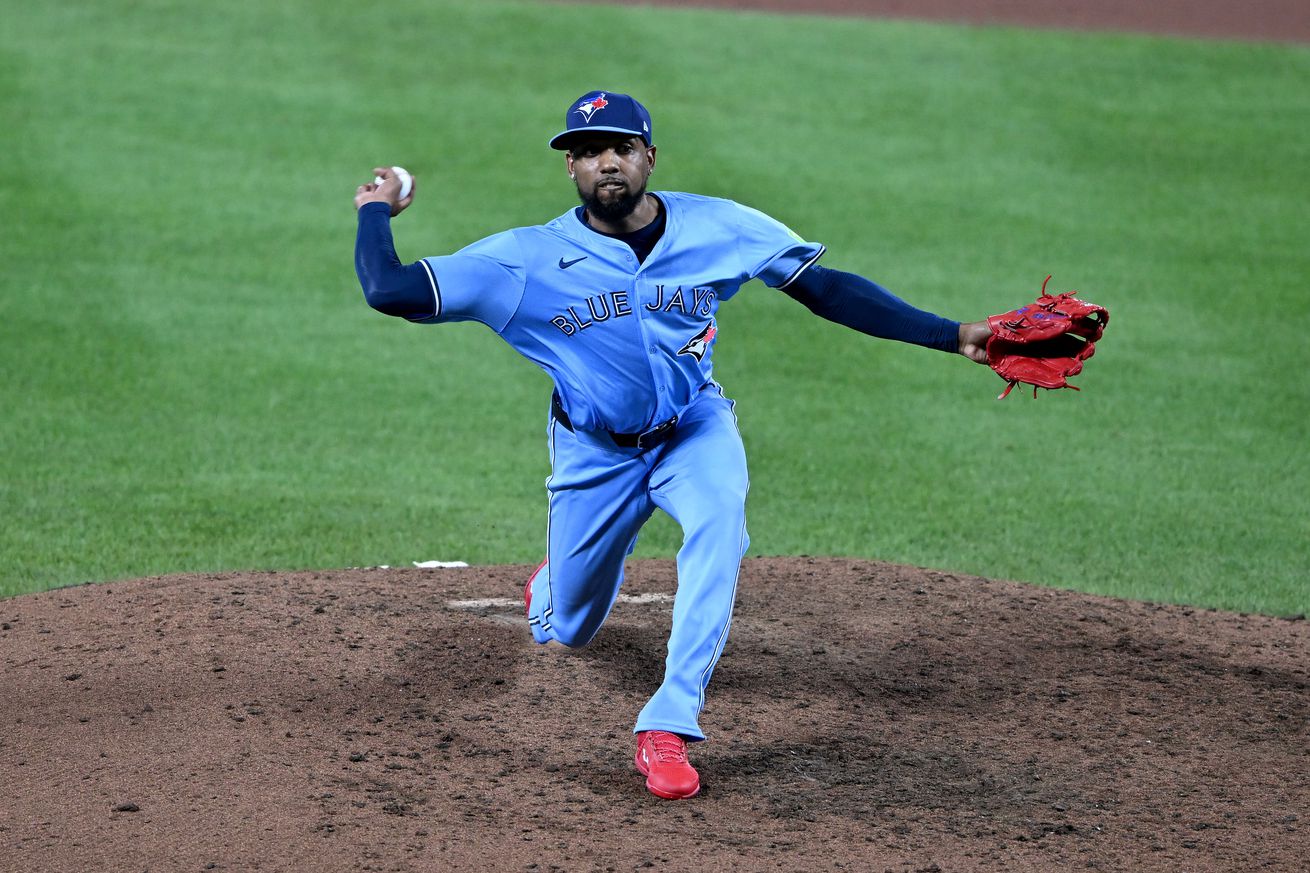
(865, 717)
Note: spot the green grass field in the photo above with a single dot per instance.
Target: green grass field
(191, 380)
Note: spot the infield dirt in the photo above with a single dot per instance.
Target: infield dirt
(865, 716)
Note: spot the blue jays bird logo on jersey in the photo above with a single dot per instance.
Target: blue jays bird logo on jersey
(699, 345)
(590, 107)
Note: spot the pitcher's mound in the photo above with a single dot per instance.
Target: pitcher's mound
(864, 717)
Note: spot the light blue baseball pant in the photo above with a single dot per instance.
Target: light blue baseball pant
(600, 496)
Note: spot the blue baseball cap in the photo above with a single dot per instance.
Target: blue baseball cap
(604, 111)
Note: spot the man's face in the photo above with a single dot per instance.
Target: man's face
(611, 172)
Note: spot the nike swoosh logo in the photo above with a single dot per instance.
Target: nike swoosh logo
(564, 265)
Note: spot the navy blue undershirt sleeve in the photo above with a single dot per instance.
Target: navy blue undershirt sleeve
(857, 303)
(390, 287)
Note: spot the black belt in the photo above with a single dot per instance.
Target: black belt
(645, 440)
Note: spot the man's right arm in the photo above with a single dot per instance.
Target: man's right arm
(403, 290)
(481, 282)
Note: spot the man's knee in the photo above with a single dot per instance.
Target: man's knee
(574, 637)
(572, 618)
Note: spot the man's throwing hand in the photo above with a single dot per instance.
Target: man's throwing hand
(387, 192)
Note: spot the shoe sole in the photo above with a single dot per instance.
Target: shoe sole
(670, 795)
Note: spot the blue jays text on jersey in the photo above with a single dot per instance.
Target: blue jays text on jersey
(618, 337)
(615, 304)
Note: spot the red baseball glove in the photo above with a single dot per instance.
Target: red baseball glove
(1045, 342)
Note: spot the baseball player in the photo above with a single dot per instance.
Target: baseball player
(616, 301)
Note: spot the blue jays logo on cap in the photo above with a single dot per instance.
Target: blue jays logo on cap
(590, 107)
(604, 111)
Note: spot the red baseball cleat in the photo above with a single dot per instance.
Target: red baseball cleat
(662, 759)
(527, 589)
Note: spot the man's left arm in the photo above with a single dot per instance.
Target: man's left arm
(857, 303)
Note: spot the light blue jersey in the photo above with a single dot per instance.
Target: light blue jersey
(628, 345)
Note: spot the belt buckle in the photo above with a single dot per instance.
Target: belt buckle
(656, 433)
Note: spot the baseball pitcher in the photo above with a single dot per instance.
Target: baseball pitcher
(616, 300)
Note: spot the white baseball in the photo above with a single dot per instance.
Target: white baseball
(406, 181)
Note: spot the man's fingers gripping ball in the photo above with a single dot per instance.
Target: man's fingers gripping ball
(391, 185)
(1045, 342)
(400, 173)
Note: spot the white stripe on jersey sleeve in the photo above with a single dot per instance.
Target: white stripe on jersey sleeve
(803, 267)
(436, 295)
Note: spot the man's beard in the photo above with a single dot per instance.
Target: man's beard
(612, 211)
